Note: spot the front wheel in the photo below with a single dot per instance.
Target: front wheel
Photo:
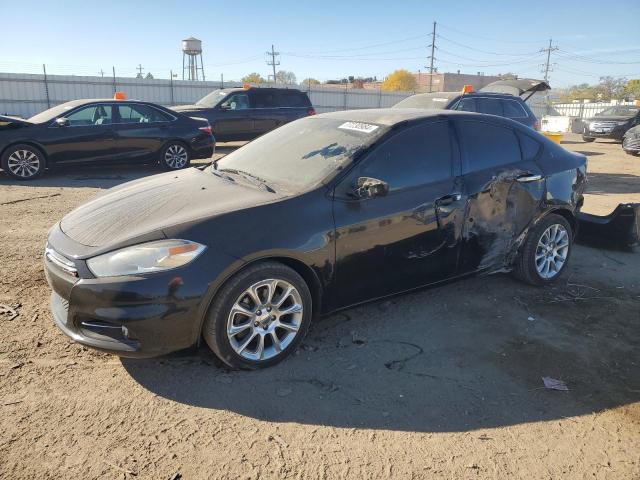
(23, 162)
(545, 253)
(259, 317)
(174, 156)
(588, 139)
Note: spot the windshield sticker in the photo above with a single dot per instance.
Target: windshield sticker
(359, 127)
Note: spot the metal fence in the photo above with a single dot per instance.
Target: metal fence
(585, 110)
(24, 95)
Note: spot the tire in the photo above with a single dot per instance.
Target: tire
(258, 324)
(175, 156)
(632, 152)
(23, 162)
(530, 265)
(588, 139)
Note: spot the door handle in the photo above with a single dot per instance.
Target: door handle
(449, 199)
(529, 178)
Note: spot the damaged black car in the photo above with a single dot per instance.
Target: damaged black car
(319, 215)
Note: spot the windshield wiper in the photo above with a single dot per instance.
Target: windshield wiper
(260, 181)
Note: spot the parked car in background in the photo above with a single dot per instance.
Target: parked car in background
(501, 98)
(247, 113)
(611, 123)
(98, 132)
(318, 215)
(631, 141)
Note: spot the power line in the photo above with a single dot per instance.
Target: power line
(475, 35)
(273, 61)
(432, 57)
(485, 51)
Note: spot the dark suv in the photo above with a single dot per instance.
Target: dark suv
(611, 123)
(501, 98)
(247, 113)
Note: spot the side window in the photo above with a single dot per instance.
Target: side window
(141, 114)
(530, 147)
(264, 99)
(91, 115)
(513, 109)
(237, 101)
(486, 145)
(467, 104)
(293, 99)
(491, 106)
(417, 156)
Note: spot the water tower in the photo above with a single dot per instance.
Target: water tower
(191, 51)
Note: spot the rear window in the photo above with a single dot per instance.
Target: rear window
(264, 99)
(513, 109)
(490, 106)
(293, 99)
(486, 145)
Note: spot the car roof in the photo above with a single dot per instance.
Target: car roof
(273, 89)
(393, 116)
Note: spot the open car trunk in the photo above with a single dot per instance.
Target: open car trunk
(517, 87)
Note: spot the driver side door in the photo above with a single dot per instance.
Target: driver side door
(235, 120)
(409, 237)
(88, 136)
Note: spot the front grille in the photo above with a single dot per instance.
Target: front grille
(605, 125)
(60, 262)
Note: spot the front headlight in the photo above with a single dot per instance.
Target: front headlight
(145, 258)
(623, 123)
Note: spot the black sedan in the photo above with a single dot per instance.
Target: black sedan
(102, 131)
(319, 215)
(611, 123)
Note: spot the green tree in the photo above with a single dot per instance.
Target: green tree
(400, 81)
(611, 88)
(286, 77)
(309, 81)
(632, 89)
(253, 78)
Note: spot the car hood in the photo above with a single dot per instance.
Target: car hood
(8, 122)
(143, 208)
(610, 118)
(187, 108)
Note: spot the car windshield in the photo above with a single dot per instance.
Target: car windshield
(212, 99)
(619, 111)
(303, 153)
(433, 101)
(52, 113)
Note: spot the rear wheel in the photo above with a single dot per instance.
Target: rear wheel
(545, 253)
(588, 139)
(259, 317)
(23, 162)
(174, 156)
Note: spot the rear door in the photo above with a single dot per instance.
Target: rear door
(140, 131)
(267, 114)
(89, 136)
(504, 188)
(409, 237)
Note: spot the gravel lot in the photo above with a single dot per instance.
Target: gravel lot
(442, 383)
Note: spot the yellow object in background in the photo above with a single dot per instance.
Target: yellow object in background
(555, 137)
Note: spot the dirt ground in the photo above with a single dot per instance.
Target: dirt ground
(441, 383)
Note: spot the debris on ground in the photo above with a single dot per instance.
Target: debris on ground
(554, 384)
(8, 312)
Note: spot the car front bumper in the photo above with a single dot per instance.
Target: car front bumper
(133, 316)
(614, 133)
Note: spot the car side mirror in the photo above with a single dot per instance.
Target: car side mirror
(368, 187)
(225, 106)
(62, 122)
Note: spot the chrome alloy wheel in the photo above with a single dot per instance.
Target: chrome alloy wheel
(552, 251)
(176, 156)
(23, 163)
(265, 319)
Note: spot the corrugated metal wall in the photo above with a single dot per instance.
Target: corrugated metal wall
(25, 95)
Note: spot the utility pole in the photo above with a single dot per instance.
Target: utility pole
(139, 68)
(547, 65)
(273, 62)
(101, 73)
(432, 57)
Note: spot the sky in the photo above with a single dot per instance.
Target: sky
(324, 39)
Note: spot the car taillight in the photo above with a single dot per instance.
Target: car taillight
(206, 129)
(311, 111)
(536, 125)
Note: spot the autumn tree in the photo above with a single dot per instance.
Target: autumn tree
(253, 78)
(286, 77)
(611, 88)
(309, 81)
(400, 81)
(632, 89)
